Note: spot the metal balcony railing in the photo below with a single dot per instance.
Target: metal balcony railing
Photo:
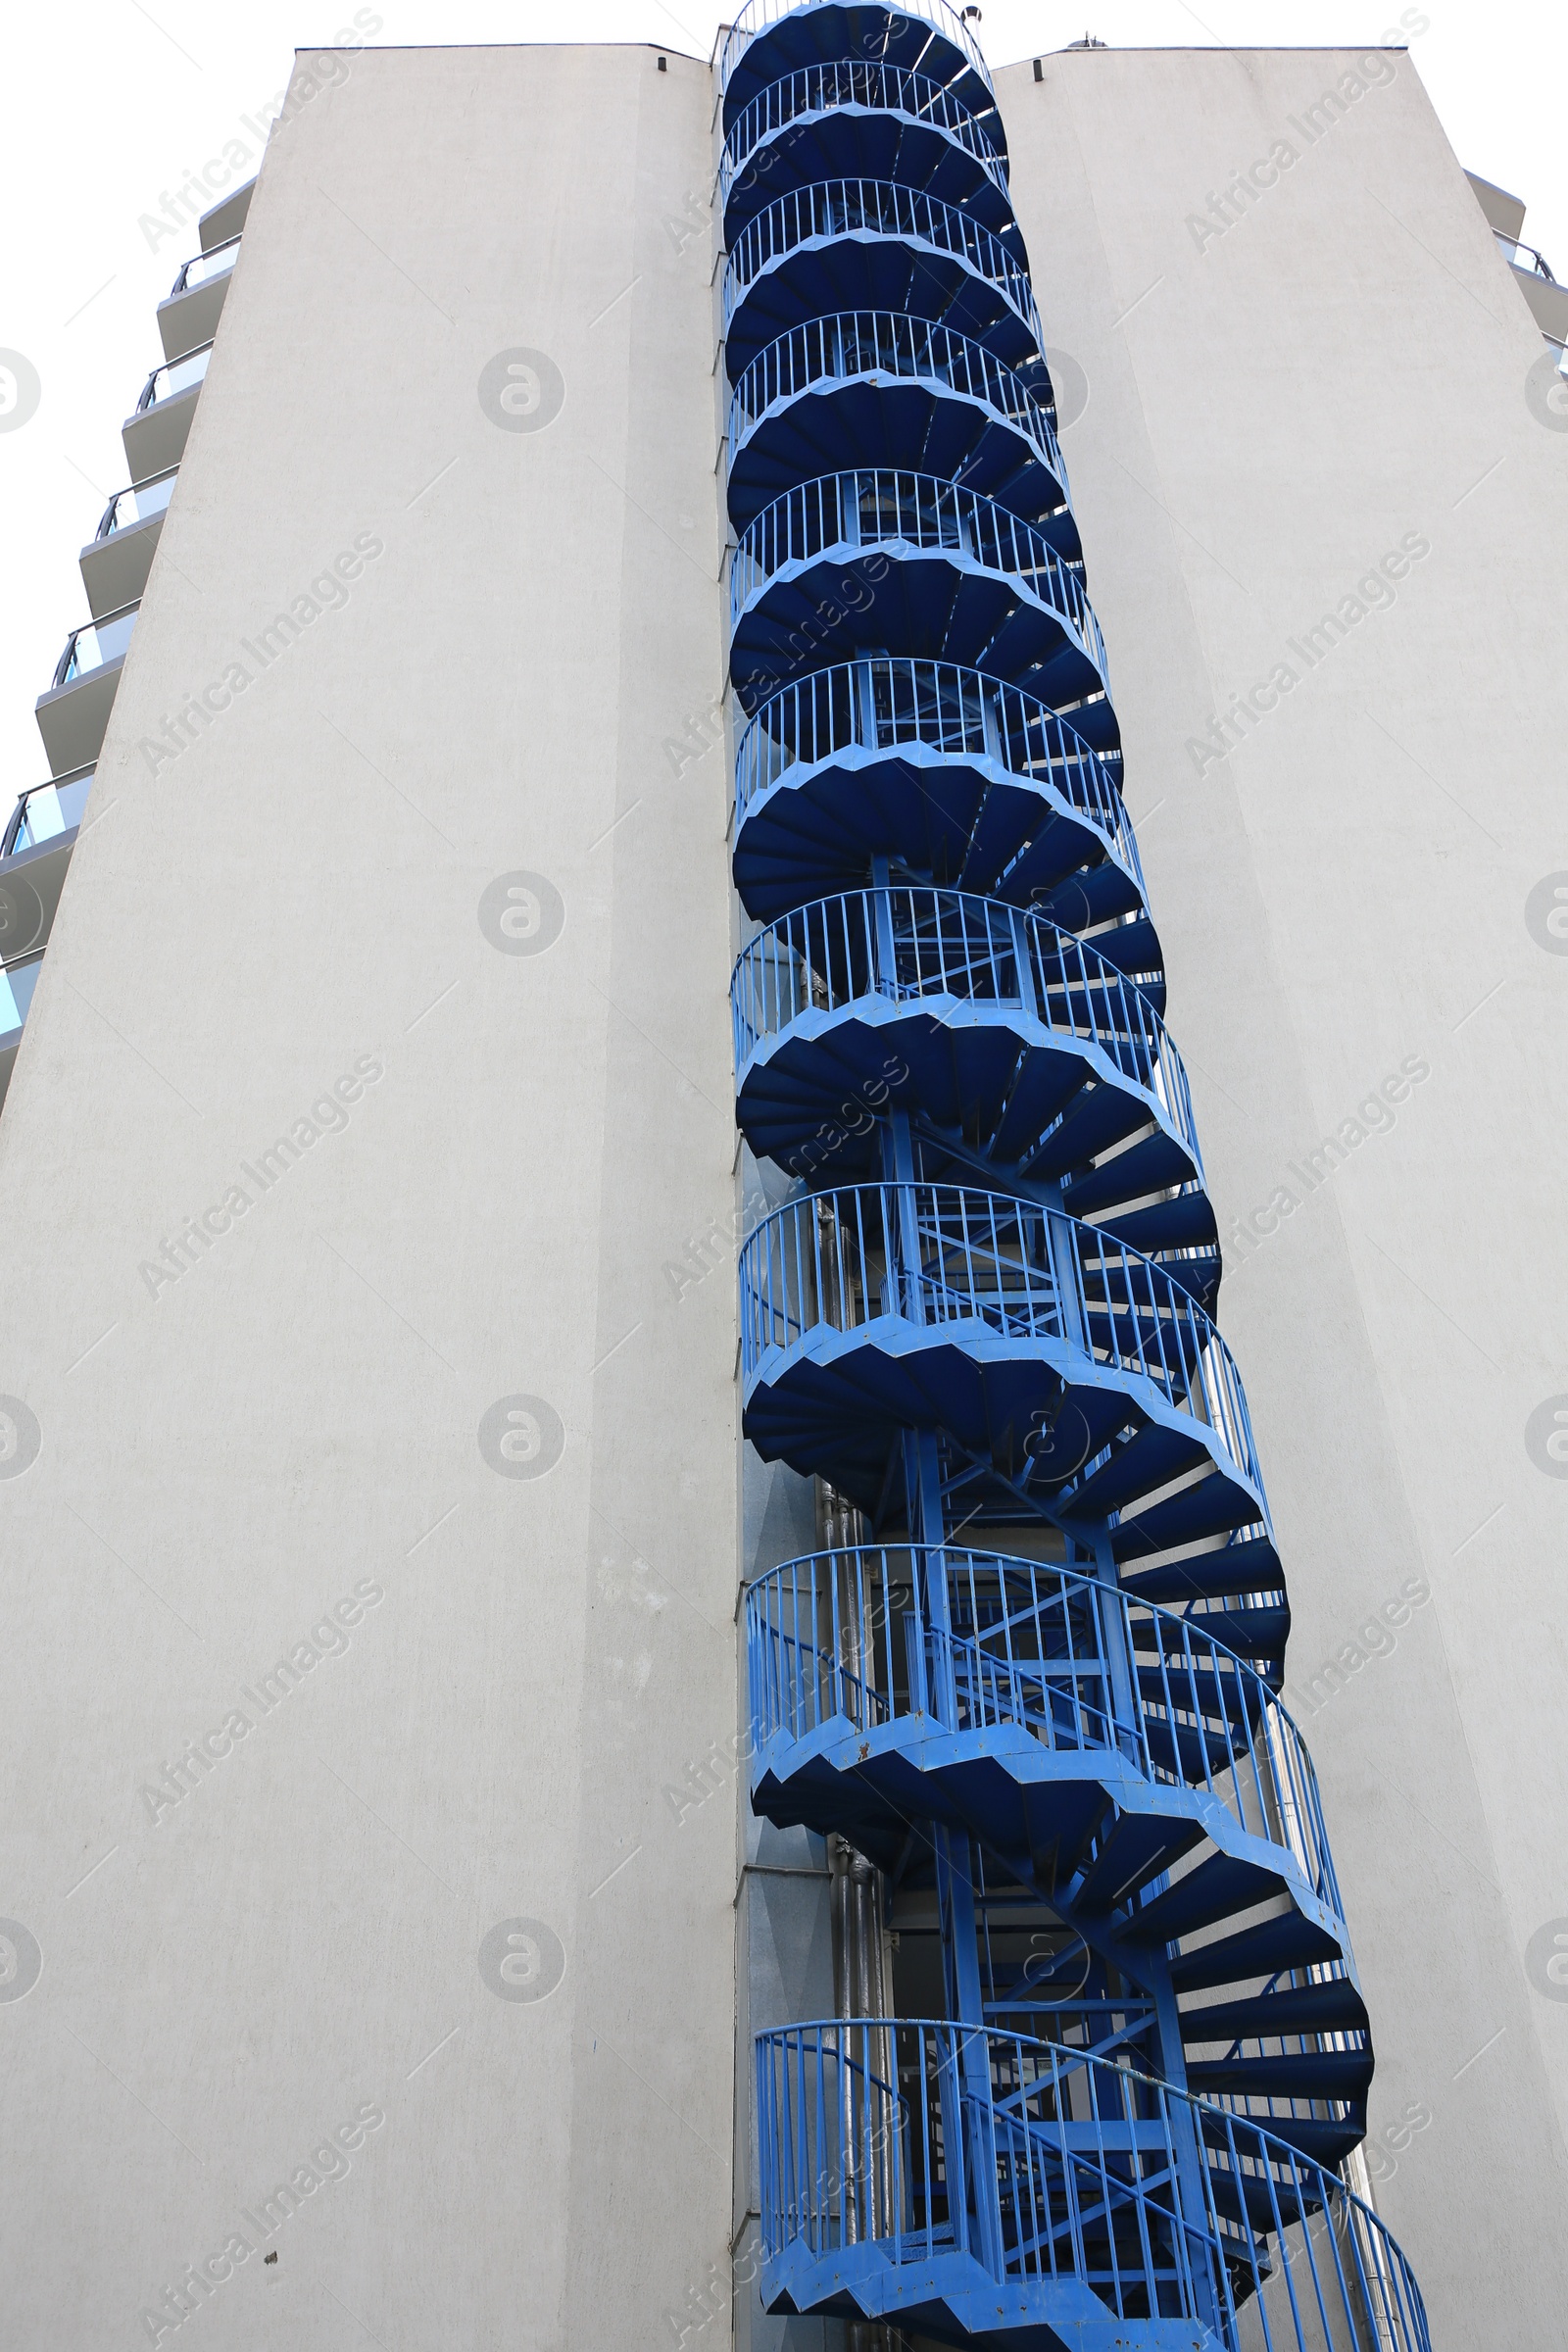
(138, 503)
(911, 945)
(950, 1261)
(203, 268)
(862, 83)
(872, 1636)
(94, 644)
(1523, 256)
(889, 509)
(874, 207)
(46, 812)
(879, 704)
(826, 353)
(761, 16)
(948, 2149)
(173, 377)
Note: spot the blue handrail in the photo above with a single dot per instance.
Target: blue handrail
(954, 2155)
(848, 1638)
(840, 1262)
(914, 944)
(829, 210)
(761, 16)
(880, 704)
(885, 508)
(850, 345)
(863, 83)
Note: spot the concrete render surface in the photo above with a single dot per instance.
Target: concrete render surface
(424, 1945)
(1337, 398)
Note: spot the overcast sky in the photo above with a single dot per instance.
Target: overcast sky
(111, 103)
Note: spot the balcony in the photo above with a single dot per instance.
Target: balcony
(190, 315)
(872, 245)
(155, 436)
(47, 813)
(865, 558)
(1060, 1372)
(860, 117)
(960, 2182)
(75, 712)
(876, 387)
(115, 563)
(1532, 275)
(37, 846)
(16, 983)
(1022, 1057)
(950, 775)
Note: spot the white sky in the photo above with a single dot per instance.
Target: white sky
(110, 104)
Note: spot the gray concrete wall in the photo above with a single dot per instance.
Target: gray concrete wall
(516, 680)
(1272, 410)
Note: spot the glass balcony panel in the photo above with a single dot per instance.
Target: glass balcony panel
(92, 646)
(177, 376)
(1523, 256)
(50, 809)
(138, 503)
(16, 984)
(203, 268)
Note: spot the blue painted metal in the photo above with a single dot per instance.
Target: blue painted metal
(881, 388)
(968, 2182)
(987, 1305)
(1011, 1041)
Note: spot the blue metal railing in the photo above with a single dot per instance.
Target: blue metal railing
(880, 704)
(886, 508)
(942, 1259)
(864, 83)
(913, 945)
(852, 1637)
(834, 209)
(828, 353)
(761, 16)
(954, 2155)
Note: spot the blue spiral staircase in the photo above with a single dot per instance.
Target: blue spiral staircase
(985, 1311)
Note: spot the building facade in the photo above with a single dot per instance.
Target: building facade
(688, 1690)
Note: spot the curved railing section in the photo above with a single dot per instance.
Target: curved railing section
(201, 268)
(829, 211)
(1032, 775)
(875, 1640)
(865, 84)
(882, 952)
(982, 2179)
(884, 510)
(761, 17)
(942, 1259)
(892, 347)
